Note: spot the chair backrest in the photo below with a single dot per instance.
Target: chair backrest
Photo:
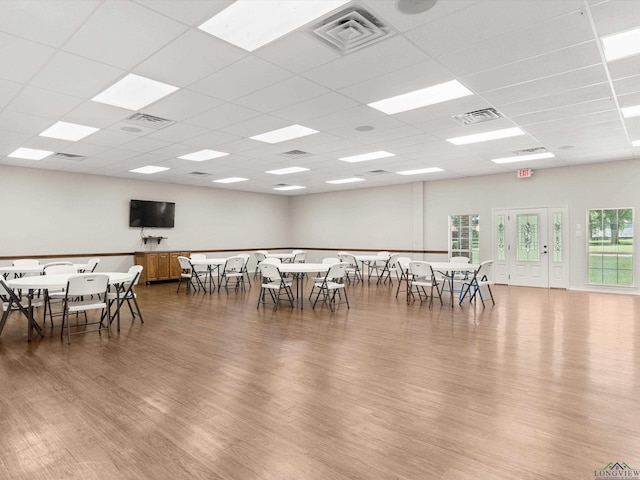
(234, 264)
(483, 266)
(404, 263)
(459, 260)
(260, 255)
(300, 256)
(337, 272)
(269, 271)
(384, 255)
(421, 270)
(53, 264)
(393, 259)
(349, 259)
(185, 263)
(245, 257)
(92, 263)
(26, 262)
(296, 251)
(198, 256)
(330, 260)
(87, 284)
(136, 271)
(59, 269)
(272, 261)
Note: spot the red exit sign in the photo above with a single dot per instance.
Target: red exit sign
(525, 173)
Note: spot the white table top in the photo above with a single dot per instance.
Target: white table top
(281, 256)
(34, 269)
(60, 280)
(369, 258)
(209, 261)
(303, 267)
(454, 266)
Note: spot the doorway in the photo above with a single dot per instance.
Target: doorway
(530, 247)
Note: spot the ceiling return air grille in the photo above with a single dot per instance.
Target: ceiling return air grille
(350, 30)
(530, 151)
(148, 121)
(477, 116)
(377, 172)
(68, 156)
(296, 154)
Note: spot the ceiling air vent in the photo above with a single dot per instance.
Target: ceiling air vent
(296, 154)
(201, 174)
(68, 156)
(351, 30)
(377, 172)
(529, 151)
(149, 121)
(478, 116)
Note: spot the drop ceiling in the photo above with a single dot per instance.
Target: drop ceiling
(539, 63)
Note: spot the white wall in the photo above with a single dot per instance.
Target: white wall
(381, 218)
(55, 212)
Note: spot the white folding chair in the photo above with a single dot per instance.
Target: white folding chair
(126, 293)
(421, 277)
(84, 292)
(333, 286)
(260, 256)
(475, 285)
(320, 277)
(12, 302)
(233, 271)
(203, 271)
(402, 268)
(56, 296)
(188, 275)
(246, 258)
(274, 283)
(352, 266)
(92, 263)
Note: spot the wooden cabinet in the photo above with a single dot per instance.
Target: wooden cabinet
(159, 265)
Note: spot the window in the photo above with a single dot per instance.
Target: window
(610, 246)
(463, 237)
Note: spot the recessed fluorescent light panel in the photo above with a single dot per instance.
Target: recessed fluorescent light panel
(134, 92)
(367, 156)
(68, 131)
(345, 180)
(284, 134)
(484, 137)
(249, 24)
(289, 187)
(523, 158)
(231, 180)
(636, 143)
(286, 171)
(203, 155)
(149, 169)
(29, 154)
(630, 112)
(621, 45)
(420, 171)
(421, 98)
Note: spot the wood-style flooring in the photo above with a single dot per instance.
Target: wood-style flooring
(544, 385)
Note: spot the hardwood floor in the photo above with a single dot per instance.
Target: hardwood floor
(544, 385)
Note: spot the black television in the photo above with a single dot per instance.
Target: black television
(146, 213)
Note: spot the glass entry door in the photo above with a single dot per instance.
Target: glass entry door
(530, 247)
(529, 250)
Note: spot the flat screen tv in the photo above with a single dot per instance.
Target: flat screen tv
(145, 213)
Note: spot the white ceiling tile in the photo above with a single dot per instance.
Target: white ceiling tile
(560, 61)
(222, 116)
(356, 116)
(21, 59)
(568, 111)
(298, 52)
(182, 105)
(77, 76)
(282, 94)
(625, 67)
(364, 64)
(97, 114)
(627, 85)
(109, 138)
(326, 104)
(212, 139)
(178, 132)
(547, 86)
(557, 100)
(190, 12)
(521, 44)
(8, 90)
(242, 78)
(484, 21)
(172, 66)
(123, 34)
(43, 103)
(615, 16)
(44, 21)
(145, 144)
(23, 123)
